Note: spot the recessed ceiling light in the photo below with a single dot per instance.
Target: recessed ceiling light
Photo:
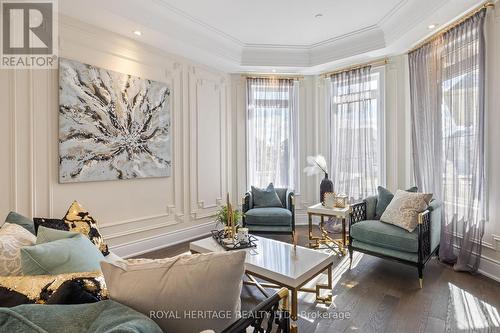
(432, 26)
(274, 71)
(318, 15)
(137, 32)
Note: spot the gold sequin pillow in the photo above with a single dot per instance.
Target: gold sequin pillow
(69, 288)
(79, 220)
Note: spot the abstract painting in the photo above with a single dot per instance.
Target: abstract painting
(111, 125)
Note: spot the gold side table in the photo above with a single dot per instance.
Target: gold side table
(336, 245)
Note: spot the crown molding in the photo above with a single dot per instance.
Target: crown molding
(175, 31)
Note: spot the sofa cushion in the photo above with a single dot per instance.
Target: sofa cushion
(404, 209)
(23, 221)
(385, 235)
(408, 256)
(13, 237)
(100, 317)
(76, 254)
(266, 197)
(182, 285)
(384, 199)
(268, 216)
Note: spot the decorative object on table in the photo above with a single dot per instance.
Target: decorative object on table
(329, 201)
(232, 243)
(111, 125)
(340, 200)
(231, 237)
(221, 215)
(243, 235)
(316, 165)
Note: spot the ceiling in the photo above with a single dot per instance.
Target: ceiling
(272, 35)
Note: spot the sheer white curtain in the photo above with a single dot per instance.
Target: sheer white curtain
(354, 133)
(271, 132)
(447, 79)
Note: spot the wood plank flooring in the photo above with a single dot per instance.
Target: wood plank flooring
(381, 296)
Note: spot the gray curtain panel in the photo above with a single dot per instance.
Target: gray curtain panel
(272, 132)
(447, 89)
(354, 152)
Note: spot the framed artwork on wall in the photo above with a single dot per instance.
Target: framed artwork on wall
(111, 125)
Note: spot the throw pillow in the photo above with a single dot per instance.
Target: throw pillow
(79, 220)
(384, 198)
(57, 224)
(404, 209)
(45, 235)
(68, 255)
(72, 288)
(266, 197)
(210, 283)
(12, 238)
(23, 221)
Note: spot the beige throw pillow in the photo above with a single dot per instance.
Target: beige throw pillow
(184, 294)
(12, 238)
(404, 209)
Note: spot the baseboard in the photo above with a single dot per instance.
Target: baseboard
(141, 246)
(490, 267)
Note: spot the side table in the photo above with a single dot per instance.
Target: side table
(336, 245)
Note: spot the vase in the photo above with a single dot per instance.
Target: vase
(325, 186)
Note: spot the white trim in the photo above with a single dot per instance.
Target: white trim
(149, 244)
(490, 267)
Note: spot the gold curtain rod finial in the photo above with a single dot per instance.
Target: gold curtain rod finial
(452, 25)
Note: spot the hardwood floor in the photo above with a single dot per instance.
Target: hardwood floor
(377, 295)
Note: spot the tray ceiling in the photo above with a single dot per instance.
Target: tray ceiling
(259, 35)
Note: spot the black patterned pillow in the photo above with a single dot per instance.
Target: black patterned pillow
(79, 220)
(49, 223)
(71, 288)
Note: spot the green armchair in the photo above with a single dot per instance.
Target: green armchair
(270, 220)
(388, 241)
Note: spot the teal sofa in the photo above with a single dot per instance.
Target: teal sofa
(371, 236)
(100, 317)
(270, 220)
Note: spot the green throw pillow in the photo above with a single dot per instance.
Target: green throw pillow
(23, 221)
(384, 199)
(265, 197)
(46, 235)
(70, 255)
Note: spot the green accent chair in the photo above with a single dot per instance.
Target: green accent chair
(371, 236)
(270, 220)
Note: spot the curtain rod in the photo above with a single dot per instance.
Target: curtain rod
(271, 76)
(379, 62)
(452, 25)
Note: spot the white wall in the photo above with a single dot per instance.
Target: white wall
(134, 215)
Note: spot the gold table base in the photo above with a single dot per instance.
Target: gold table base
(337, 245)
(324, 299)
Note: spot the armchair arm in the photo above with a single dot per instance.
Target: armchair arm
(290, 205)
(272, 314)
(424, 236)
(246, 205)
(358, 212)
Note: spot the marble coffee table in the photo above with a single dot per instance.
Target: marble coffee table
(281, 265)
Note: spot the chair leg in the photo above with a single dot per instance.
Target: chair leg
(350, 257)
(420, 276)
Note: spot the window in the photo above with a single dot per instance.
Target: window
(356, 130)
(271, 132)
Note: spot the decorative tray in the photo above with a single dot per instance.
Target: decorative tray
(218, 235)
